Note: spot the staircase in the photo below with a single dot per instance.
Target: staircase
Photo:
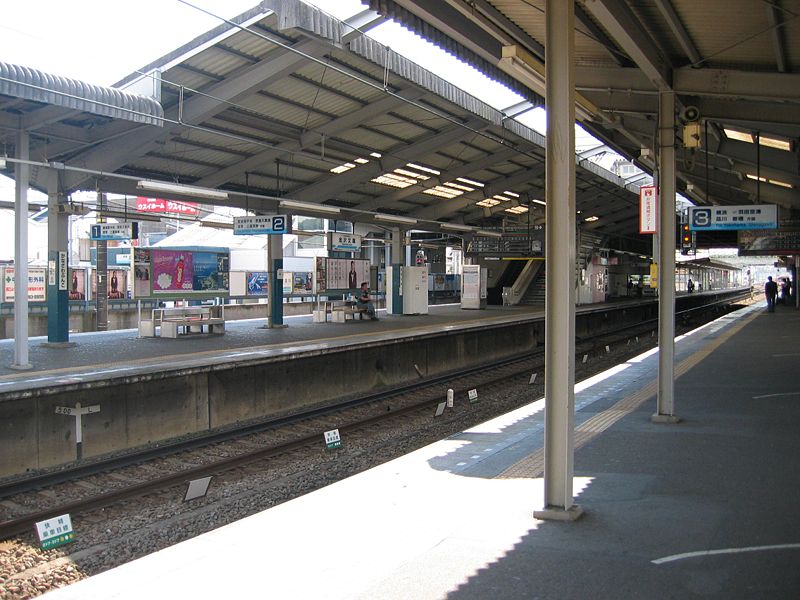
(535, 294)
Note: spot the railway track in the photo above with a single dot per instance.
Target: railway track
(106, 483)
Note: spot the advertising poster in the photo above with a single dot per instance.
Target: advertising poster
(77, 285)
(257, 283)
(209, 272)
(142, 270)
(302, 282)
(160, 205)
(346, 273)
(37, 284)
(117, 284)
(288, 277)
(172, 271)
(321, 274)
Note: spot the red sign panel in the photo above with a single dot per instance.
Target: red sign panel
(160, 205)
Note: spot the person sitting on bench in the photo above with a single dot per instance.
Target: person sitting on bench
(363, 302)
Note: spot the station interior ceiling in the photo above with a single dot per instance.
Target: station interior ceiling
(286, 102)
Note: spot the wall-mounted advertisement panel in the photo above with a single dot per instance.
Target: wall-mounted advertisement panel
(181, 272)
(302, 282)
(257, 283)
(37, 284)
(346, 273)
(77, 285)
(162, 206)
(648, 209)
(117, 284)
(752, 216)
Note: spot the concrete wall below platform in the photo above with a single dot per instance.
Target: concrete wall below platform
(148, 409)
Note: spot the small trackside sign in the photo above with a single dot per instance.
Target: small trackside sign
(332, 439)
(55, 532)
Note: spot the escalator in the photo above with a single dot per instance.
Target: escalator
(494, 295)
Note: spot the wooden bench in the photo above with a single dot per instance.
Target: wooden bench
(173, 322)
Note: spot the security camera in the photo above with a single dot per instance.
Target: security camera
(690, 114)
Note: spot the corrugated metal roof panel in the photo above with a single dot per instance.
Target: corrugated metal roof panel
(31, 84)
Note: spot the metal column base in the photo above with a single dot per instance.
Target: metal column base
(555, 513)
(25, 367)
(657, 418)
(59, 344)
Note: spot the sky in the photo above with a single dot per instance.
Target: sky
(102, 41)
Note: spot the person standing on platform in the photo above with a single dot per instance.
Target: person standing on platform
(771, 292)
(363, 302)
(690, 286)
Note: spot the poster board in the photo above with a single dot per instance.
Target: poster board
(341, 273)
(189, 272)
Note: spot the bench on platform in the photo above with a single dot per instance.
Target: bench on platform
(339, 314)
(173, 322)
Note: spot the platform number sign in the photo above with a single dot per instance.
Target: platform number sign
(55, 532)
(332, 439)
(261, 224)
(700, 218)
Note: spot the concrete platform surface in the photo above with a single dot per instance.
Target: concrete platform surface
(706, 508)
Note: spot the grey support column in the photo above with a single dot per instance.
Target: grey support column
(560, 233)
(22, 174)
(665, 412)
(101, 272)
(397, 257)
(57, 251)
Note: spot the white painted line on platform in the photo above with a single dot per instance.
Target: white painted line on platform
(674, 557)
(776, 395)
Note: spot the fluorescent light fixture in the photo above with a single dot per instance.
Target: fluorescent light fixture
(542, 202)
(514, 194)
(491, 234)
(470, 181)
(310, 207)
(183, 190)
(375, 154)
(395, 219)
(526, 68)
(456, 227)
(592, 219)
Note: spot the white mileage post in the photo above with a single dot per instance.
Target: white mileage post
(332, 439)
(78, 411)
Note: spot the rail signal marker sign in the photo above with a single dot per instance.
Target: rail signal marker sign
(55, 532)
(333, 439)
(473, 396)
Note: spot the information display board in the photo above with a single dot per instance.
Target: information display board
(769, 242)
(714, 218)
(345, 242)
(261, 224)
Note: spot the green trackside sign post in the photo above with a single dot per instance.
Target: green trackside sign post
(332, 439)
(55, 532)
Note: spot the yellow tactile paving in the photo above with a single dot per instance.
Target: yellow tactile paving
(533, 465)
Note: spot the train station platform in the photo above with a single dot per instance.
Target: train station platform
(706, 508)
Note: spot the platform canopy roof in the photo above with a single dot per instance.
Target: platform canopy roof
(285, 101)
(734, 61)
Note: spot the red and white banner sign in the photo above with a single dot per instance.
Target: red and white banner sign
(648, 209)
(160, 205)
